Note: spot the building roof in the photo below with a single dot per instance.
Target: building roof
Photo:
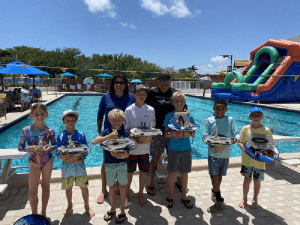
(240, 63)
(295, 38)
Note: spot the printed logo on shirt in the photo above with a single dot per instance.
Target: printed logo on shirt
(164, 101)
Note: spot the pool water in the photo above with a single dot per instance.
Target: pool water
(280, 123)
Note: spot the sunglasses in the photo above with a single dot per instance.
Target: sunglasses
(119, 82)
(164, 79)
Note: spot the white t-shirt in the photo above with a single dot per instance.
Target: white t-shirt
(139, 117)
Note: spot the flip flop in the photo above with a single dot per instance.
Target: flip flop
(109, 215)
(169, 203)
(151, 189)
(242, 204)
(68, 213)
(118, 219)
(254, 205)
(187, 203)
(100, 199)
(91, 213)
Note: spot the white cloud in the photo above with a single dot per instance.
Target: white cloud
(105, 6)
(219, 59)
(209, 69)
(131, 25)
(177, 8)
(124, 24)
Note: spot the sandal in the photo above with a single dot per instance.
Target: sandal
(68, 213)
(187, 203)
(151, 189)
(91, 213)
(254, 205)
(242, 204)
(120, 219)
(100, 199)
(109, 215)
(169, 203)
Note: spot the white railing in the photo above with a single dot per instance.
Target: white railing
(189, 87)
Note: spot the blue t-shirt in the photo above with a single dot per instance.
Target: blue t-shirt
(226, 128)
(108, 157)
(73, 169)
(179, 144)
(111, 101)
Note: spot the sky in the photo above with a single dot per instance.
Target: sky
(169, 33)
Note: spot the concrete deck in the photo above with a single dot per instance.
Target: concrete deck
(279, 197)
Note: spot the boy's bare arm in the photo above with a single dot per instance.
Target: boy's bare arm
(100, 139)
(241, 145)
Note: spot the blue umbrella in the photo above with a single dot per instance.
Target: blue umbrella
(205, 79)
(103, 75)
(135, 81)
(67, 74)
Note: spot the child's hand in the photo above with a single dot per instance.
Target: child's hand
(32, 149)
(78, 161)
(121, 155)
(152, 139)
(113, 135)
(177, 134)
(234, 140)
(48, 148)
(136, 139)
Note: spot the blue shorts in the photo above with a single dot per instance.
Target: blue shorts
(116, 171)
(217, 166)
(249, 171)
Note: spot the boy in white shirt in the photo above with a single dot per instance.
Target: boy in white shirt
(139, 115)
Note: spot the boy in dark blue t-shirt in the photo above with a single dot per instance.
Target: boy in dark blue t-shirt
(116, 165)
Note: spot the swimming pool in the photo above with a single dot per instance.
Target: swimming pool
(280, 123)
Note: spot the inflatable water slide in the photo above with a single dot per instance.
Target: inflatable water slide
(270, 76)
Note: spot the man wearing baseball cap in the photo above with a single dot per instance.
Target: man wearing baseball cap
(160, 100)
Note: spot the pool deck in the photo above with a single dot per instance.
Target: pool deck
(279, 197)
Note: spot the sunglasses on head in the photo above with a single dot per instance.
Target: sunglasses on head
(165, 79)
(119, 82)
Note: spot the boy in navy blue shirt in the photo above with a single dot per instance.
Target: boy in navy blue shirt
(116, 163)
(73, 168)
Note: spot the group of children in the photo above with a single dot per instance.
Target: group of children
(120, 166)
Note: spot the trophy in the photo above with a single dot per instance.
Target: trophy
(115, 141)
(70, 142)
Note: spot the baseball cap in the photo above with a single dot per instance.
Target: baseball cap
(255, 109)
(163, 73)
(69, 112)
(140, 87)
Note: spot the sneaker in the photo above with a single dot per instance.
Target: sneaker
(216, 207)
(213, 196)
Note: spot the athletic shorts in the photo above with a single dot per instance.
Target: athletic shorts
(116, 171)
(217, 166)
(182, 157)
(141, 160)
(158, 146)
(80, 181)
(249, 171)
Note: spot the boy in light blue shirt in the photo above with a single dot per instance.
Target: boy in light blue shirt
(73, 168)
(218, 159)
(179, 153)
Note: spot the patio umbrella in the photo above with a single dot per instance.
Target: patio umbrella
(68, 74)
(21, 68)
(135, 81)
(2, 70)
(205, 79)
(103, 75)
